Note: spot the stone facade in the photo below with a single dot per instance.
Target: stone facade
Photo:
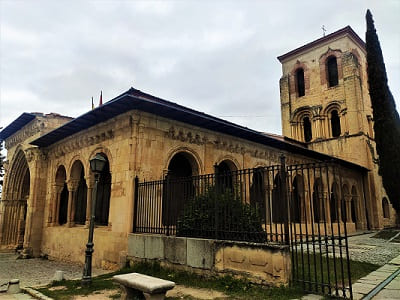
(349, 98)
(140, 135)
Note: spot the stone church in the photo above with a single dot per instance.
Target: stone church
(47, 192)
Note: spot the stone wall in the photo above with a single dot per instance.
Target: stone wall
(260, 263)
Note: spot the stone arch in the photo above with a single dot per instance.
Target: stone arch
(334, 116)
(191, 155)
(294, 88)
(19, 179)
(337, 54)
(84, 162)
(303, 119)
(15, 199)
(105, 152)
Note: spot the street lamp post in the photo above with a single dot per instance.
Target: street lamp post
(97, 164)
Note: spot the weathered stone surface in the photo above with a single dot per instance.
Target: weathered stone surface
(175, 250)
(200, 253)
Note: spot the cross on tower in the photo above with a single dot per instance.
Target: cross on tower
(323, 29)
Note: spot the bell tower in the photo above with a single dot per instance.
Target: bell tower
(325, 104)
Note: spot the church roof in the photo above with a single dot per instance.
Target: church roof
(341, 32)
(17, 124)
(134, 99)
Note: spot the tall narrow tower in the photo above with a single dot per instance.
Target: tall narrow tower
(325, 104)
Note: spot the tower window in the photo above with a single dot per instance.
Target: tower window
(335, 123)
(332, 71)
(300, 82)
(307, 129)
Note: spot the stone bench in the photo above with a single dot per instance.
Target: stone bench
(153, 288)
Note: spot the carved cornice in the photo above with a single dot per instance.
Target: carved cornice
(229, 146)
(27, 131)
(185, 136)
(80, 142)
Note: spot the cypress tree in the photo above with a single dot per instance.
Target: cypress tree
(386, 117)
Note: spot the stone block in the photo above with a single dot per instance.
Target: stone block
(200, 253)
(175, 250)
(153, 246)
(136, 245)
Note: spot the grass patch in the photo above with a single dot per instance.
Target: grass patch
(234, 288)
(385, 234)
(327, 270)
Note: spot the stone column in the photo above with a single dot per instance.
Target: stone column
(55, 204)
(72, 186)
(347, 199)
(90, 185)
(37, 163)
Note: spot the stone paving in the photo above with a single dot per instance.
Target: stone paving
(37, 271)
(368, 283)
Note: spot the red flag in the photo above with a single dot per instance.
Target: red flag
(101, 98)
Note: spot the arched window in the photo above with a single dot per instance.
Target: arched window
(335, 123)
(63, 211)
(332, 70)
(224, 175)
(319, 214)
(103, 195)
(385, 208)
(295, 203)
(307, 129)
(300, 82)
(333, 203)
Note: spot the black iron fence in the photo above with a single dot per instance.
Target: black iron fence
(300, 205)
(240, 205)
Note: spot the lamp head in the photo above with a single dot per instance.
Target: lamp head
(97, 163)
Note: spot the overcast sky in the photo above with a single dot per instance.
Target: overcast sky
(218, 57)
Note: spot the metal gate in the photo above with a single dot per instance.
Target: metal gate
(318, 215)
(12, 219)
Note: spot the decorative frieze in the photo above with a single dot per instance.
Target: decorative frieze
(81, 142)
(229, 146)
(27, 131)
(185, 136)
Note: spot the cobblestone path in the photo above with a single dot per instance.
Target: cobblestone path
(37, 271)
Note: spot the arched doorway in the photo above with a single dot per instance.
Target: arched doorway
(15, 202)
(296, 200)
(346, 196)
(178, 186)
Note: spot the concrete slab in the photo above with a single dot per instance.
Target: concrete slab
(363, 288)
(136, 245)
(175, 250)
(387, 294)
(200, 253)
(357, 296)
(153, 247)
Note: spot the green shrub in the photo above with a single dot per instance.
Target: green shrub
(219, 213)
